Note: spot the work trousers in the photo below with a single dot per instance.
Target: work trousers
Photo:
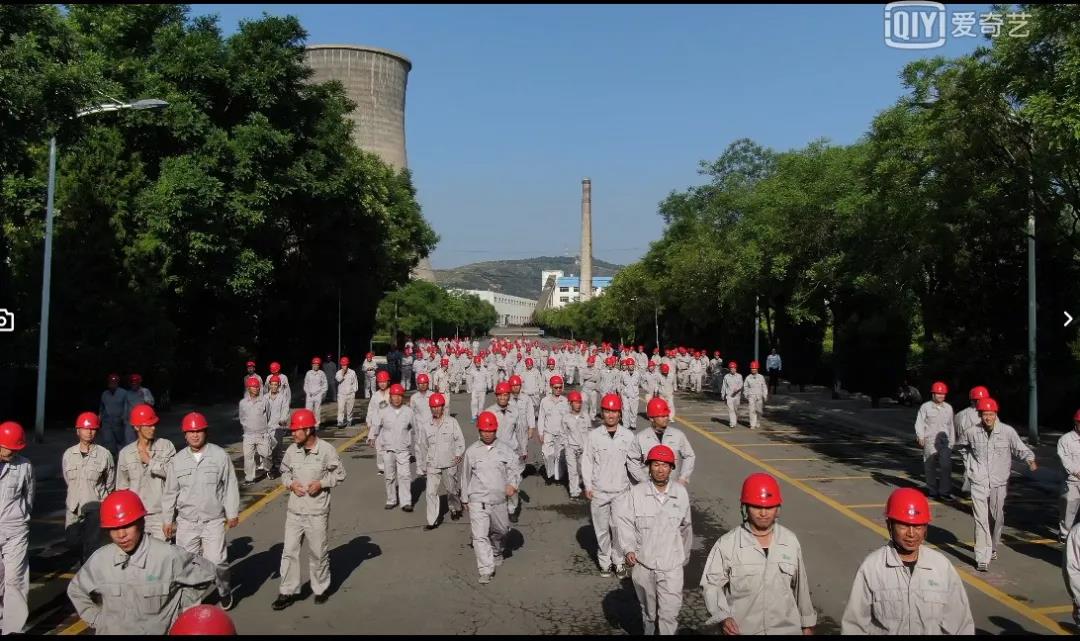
(406, 378)
(937, 464)
(447, 478)
(670, 400)
(207, 539)
(755, 405)
(630, 410)
(603, 521)
(573, 470)
(553, 451)
(14, 582)
(369, 386)
(398, 477)
(477, 402)
(256, 445)
(113, 436)
(298, 528)
(733, 411)
(589, 404)
(155, 526)
(314, 403)
(660, 594)
(345, 409)
(1070, 504)
(489, 523)
(82, 530)
(988, 507)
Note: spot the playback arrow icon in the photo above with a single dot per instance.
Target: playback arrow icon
(1068, 319)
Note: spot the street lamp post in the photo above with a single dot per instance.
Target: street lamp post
(46, 278)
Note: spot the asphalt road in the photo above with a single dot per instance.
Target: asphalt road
(392, 577)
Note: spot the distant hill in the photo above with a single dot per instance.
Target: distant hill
(515, 277)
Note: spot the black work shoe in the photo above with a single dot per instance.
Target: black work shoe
(455, 516)
(321, 598)
(247, 483)
(406, 508)
(390, 506)
(428, 528)
(226, 602)
(282, 601)
(513, 518)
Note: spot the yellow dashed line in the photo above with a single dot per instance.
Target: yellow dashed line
(1056, 609)
(978, 584)
(835, 478)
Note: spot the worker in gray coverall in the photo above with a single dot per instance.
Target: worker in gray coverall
(113, 412)
(730, 390)
(756, 391)
(576, 426)
(965, 418)
(330, 368)
(16, 503)
(315, 386)
(755, 581)
(254, 411)
(1070, 568)
(662, 432)
(90, 474)
(990, 447)
(440, 448)
(489, 475)
(905, 587)
(936, 433)
(1068, 450)
(604, 471)
(143, 466)
(512, 431)
(393, 431)
(137, 584)
(655, 536)
(202, 500)
(309, 469)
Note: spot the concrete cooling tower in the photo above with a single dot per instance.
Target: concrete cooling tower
(375, 79)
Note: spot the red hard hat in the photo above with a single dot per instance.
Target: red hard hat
(88, 421)
(193, 422)
(121, 508)
(382, 376)
(732, 365)
(344, 362)
(423, 379)
(316, 361)
(939, 388)
(436, 400)
(908, 505)
(143, 414)
(251, 381)
(657, 407)
(502, 388)
(487, 422)
(651, 364)
(551, 361)
(978, 392)
(661, 453)
(754, 365)
(136, 379)
(610, 360)
(716, 353)
(444, 361)
(664, 368)
(478, 360)
(761, 490)
(515, 380)
(274, 378)
(986, 405)
(275, 367)
(611, 402)
(12, 436)
(555, 380)
(251, 364)
(203, 619)
(529, 362)
(302, 420)
(1076, 417)
(369, 355)
(629, 362)
(397, 390)
(591, 359)
(574, 396)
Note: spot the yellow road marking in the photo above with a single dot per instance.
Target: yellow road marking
(795, 443)
(1056, 609)
(865, 506)
(55, 574)
(791, 459)
(978, 584)
(80, 625)
(835, 478)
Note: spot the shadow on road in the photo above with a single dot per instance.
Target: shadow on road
(586, 538)
(250, 574)
(621, 609)
(346, 558)
(239, 548)
(416, 489)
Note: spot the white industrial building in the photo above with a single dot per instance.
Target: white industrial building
(567, 289)
(512, 310)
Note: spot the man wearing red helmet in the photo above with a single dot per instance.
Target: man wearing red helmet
(490, 471)
(935, 433)
(513, 431)
(143, 466)
(965, 418)
(630, 384)
(549, 430)
(440, 378)
(420, 407)
(1068, 450)
(17, 490)
(275, 368)
(440, 447)
(248, 374)
(662, 433)
(532, 384)
(330, 368)
(590, 381)
(756, 391)
(655, 537)
(315, 386)
(731, 390)
(90, 474)
(755, 581)
(576, 425)
(380, 402)
(347, 387)
(394, 431)
(202, 499)
(904, 587)
(605, 466)
(682, 369)
(407, 361)
(137, 584)
(138, 393)
(309, 469)
(113, 413)
(695, 372)
(368, 367)
(665, 387)
(478, 379)
(255, 423)
(989, 448)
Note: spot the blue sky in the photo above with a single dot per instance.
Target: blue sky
(508, 107)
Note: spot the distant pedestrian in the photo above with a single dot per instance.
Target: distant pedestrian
(346, 393)
(113, 413)
(936, 434)
(139, 394)
(773, 367)
(256, 429)
(330, 368)
(315, 387)
(731, 390)
(757, 393)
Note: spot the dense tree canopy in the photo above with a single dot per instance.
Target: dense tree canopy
(188, 238)
(423, 309)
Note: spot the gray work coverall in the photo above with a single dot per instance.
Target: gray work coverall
(346, 394)
(604, 471)
(486, 470)
(90, 478)
(478, 379)
(732, 387)
(147, 479)
(756, 391)
(308, 516)
(764, 593)
(200, 496)
(934, 422)
(576, 428)
(1068, 450)
(656, 527)
(142, 593)
(394, 431)
(672, 437)
(438, 446)
(549, 427)
(16, 503)
(255, 421)
(114, 411)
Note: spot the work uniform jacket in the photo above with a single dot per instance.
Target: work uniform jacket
(439, 443)
(606, 460)
(672, 437)
(142, 593)
(115, 407)
(989, 454)
(203, 490)
(16, 496)
(576, 428)
(315, 384)
(532, 382)
(733, 384)
(279, 410)
(932, 422)
(512, 430)
(321, 463)
(145, 479)
(552, 409)
(394, 428)
(764, 593)
(655, 526)
(347, 383)
(755, 386)
(255, 414)
(887, 598)
(421, 410)
(1068, 450)
(487, 470)
(630, 384)
(90, 478)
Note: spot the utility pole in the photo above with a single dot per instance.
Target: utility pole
(656, 323)
(339, 322)
(757, 326)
